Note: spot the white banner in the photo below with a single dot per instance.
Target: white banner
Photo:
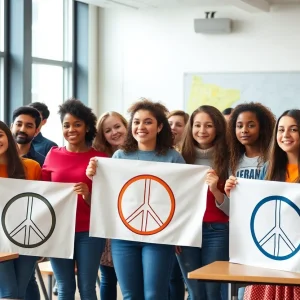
(37, 218)
(150, 202)
(265, 224)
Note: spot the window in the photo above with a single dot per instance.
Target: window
(48, 87)
(52, 59)
(1, 59)
(1, 88)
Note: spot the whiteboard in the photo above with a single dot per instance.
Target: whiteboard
(277, 90)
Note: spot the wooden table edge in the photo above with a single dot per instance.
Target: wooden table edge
(8, 256)
(246, 278)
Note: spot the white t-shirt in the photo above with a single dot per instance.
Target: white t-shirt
(249, 167)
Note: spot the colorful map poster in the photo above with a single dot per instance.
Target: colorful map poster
(279, 90)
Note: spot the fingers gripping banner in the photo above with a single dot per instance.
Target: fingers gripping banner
(37, 218)
(264, 224)
(149, 202)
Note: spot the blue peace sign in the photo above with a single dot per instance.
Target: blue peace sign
(273, 233)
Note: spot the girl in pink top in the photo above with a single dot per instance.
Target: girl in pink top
(68, 164)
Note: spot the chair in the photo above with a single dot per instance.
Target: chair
(45, 268)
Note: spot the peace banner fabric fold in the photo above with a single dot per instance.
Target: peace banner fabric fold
(264, 224)
(37, 218)
(149, 202)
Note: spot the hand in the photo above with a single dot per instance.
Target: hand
(212, 180)
(91, 168)
(82, 189)
(231, 182)
(178, 250)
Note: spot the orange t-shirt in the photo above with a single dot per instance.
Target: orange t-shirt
(292, 173)
(31, 167)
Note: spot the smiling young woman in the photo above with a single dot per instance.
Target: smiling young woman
(177, 120)
(15, 274)
(111, 134)
(205, 144)
(283, 165)
(143, 269)
(68, 164)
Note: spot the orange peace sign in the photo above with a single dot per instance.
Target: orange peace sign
(138, 201)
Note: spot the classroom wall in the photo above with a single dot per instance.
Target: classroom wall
(146, 53)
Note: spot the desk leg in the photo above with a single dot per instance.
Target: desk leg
(50, 286)
(39, 275)
(233, 291)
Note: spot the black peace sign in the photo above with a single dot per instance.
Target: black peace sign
(27, 228)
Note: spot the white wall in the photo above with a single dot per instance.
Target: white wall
(146, 53)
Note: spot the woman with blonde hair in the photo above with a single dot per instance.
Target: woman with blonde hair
(111, 134)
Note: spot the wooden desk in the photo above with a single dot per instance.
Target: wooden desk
(8, 256)
(235, 273)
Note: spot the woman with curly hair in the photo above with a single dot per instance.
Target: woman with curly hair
(250, 133)
(205, 144)
(111, 134)
(143, 269)
(68, 164)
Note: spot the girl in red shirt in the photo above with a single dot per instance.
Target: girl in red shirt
(68, 164)
(205, 144)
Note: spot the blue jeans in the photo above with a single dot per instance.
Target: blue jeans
(15, 275)
(32, 292)
(176, 286)
(215, 247)
(143, 269)
(108, 283)
(87, 254)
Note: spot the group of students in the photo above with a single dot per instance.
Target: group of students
(252, 145)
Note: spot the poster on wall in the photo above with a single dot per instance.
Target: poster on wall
(277, 90)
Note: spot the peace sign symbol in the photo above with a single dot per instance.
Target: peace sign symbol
(276, 243)
(37, 223)
(139, 201)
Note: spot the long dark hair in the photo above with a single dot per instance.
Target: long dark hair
(266, 121)
(164, 140)
(277, 167)
(15, 168)
(220, 153)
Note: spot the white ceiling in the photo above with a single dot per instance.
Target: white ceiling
(248, 5)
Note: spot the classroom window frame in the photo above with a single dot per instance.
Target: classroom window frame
(17, 59)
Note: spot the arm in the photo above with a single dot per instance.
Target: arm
(225, 206)
(222, 202)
